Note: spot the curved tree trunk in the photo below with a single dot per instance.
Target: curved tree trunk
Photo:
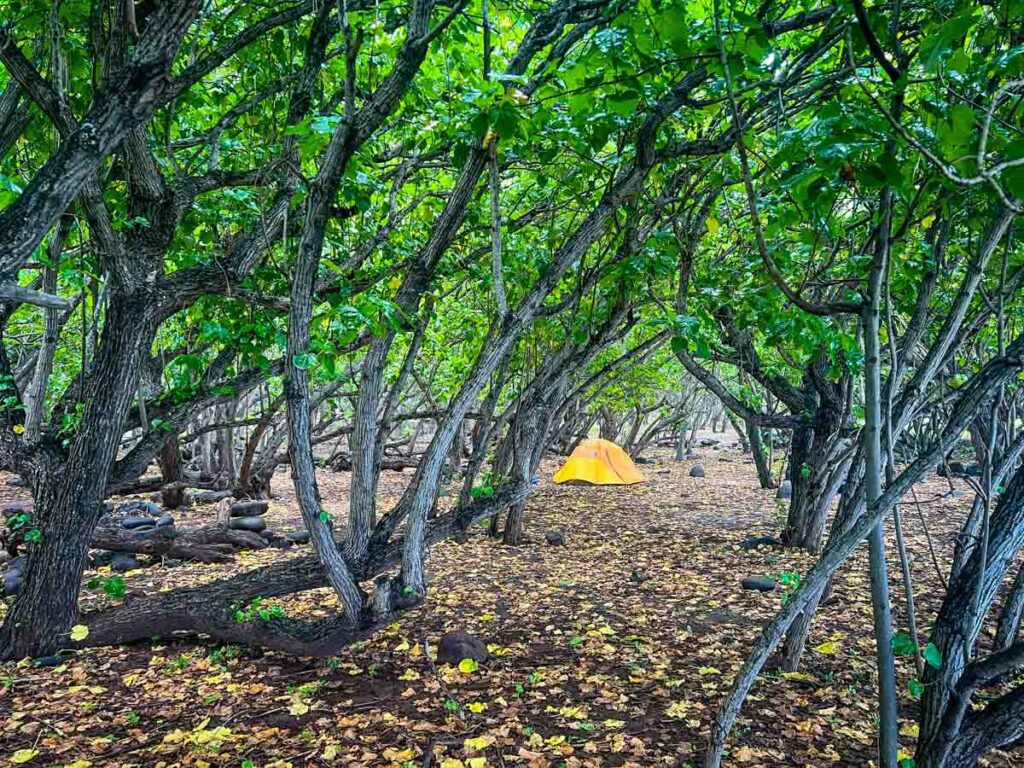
(69, 495)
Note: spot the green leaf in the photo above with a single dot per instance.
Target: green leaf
(916, 687)
(304, 360)
(933, 656)
(902, 645)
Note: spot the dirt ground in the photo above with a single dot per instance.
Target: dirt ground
(612, 650)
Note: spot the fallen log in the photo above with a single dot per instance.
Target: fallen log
(343, 463)
(209, 609)
(207, 544)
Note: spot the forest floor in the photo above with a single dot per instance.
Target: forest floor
(612, 650)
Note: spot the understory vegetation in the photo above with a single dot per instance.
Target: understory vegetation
(302, 303)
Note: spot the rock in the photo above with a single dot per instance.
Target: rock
(138, 523)
(13, 582)
(254, 524)
(760, 583)
(753, 542)
(298, 537)
(123, 562)
(958, 494)
(707, 442)
(101, 559)
(17, 481)
(638, 577)
(164, 520)
(691, 455)
(555, 538)
(697, 470)
(951, 469)
(785, 490)
(456, 646)
(170, 562)
(972, 470)
(16, 508)
(644, 460)
(140, 508)
(19, 563)
(252, 508)
(47, 661)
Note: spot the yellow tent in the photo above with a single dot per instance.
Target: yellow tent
(599, 462)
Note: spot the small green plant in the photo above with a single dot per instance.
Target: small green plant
(224, 654)
(256, 609)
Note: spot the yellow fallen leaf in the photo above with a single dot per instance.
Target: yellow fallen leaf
(298, 707)
(400, 755)
(678, 709)
(797, 676)
(452, 762)
(468, 665)
(829, 648)
(476, 762)
(477, 743)
(23, 756)
(913, 730)
(79, 764)
(613, 723)
(330, 752)
(476, 706)
(79, 632)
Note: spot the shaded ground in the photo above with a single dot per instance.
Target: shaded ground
(610, 651)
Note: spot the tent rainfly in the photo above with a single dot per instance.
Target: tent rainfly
(599, 462)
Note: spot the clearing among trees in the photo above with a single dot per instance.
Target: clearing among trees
(252, 254)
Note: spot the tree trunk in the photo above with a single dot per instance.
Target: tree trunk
(169, 460)
(1010, 616)
(764, 472)
(69, 495)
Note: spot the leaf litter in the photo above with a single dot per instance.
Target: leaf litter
(613, 650)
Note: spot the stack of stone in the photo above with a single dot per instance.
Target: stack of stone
(248, 515)
(141, 518)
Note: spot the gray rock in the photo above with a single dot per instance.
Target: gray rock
(13, 582)
(555, 538)
(785, 490)
(298, 537)
(17, 481)
(951, 469)
(249, 508)
(760, 583)
(254, 524)
(697, 470)
(140, 508)
(164, 520)
(138, 523)
(16, 507)
(19, 563)
(47, 661)
(123, 562)
(753, 542)
(644, 460)
(456, 646)
(691, 455)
